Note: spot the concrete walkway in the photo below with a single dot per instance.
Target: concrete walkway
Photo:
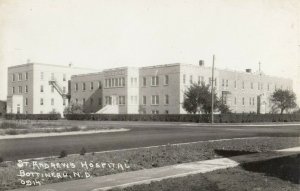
(155, 174)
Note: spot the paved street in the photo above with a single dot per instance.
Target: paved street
(141, 134)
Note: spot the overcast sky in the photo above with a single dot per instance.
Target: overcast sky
(111, 33)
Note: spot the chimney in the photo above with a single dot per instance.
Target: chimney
(248, 70)
(201, 62)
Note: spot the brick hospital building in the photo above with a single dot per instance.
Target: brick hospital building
(159, 89)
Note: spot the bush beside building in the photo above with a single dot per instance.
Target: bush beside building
(204, 118)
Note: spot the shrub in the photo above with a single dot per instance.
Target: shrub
(63, 154)
(203, 118)
(32, 116)
(82, 151)
(11, 132)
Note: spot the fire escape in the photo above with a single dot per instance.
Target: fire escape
(63, 94)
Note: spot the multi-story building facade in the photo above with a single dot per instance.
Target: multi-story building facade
(160, 89)
(35, 88)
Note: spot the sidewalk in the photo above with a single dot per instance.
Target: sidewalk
(155, 174)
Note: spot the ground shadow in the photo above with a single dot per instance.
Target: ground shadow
(231, 153)
(285, 168)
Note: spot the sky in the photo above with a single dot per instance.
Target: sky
(114, 33)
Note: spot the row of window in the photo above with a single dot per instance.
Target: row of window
(251, 101)
(260, 86)
(64, 76)
(91, 101)
(20, 76)
(116, 82)
(83, 87)
(52, 101)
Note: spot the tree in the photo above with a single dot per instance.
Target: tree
(283, 100)
(223, 108)
(73, 108)
(198, 98)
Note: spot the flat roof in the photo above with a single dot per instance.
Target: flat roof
(43, 64)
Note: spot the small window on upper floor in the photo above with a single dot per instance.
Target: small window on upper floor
(26, 76)
(64, 77)
(183, 78)
(20, 76)
(13, 77)
(92, 85)
(166, 80)
(154, 81)
(144, 81)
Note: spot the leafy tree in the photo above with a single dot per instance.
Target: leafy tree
(198, 98)
(283, 100)
(223, 108)
(73, 108)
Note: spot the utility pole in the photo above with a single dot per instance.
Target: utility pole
(212, 90)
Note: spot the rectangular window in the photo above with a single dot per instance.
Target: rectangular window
(191, 79)
(64, 101)
(107, 100)
(144, 100)
(251, 85)
(155, 112)
(26, 89)
(41, 101)
(253, 101)
(20, 89)
(223, 82)
(42, 88)
(106, 83)
(109, 83)
(76, 100)
(20, 77)
(167, 99)
(154, 81)
(64, 77)
(26, 76)
(76, 87)
(121, 100)
(183, 80)
(99, 85)
(123, 82)
(166, 80)
(167, 112)
(83, 86)
(133, 99)
(13, 90)
(92, 85)
(154, 100)
(144, 81)
(243, 101)
(234, 100)
(199, 80)
(52, 101)
(250, 101)
(226, 83)
(13, 77)
(112, 82)
(26, 101)
(42, 75)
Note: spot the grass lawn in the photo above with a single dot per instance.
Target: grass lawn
(8, 127)
(139, 159)
(272, 175)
